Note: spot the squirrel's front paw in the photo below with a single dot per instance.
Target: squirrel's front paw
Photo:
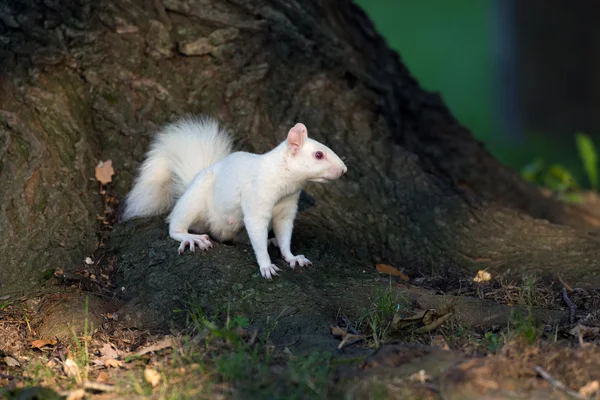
(202, 241)
(269, 271)
(298, 260)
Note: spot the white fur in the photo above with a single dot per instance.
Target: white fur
(232, 191)
(178, 153)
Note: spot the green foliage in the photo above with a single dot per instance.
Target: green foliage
(228, 330)
(81, 351)
(304, 377)
(532, 171)
(528, 296)
(379, 318)
(589, 157)
(560, 179)
(494, 341)
(525, 327)
(255, 368)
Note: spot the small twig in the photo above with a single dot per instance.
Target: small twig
(253, 338)
(350, 340)
(556, 383)
(570, 304)
(435, 324)
(100, 387)
(11, 377)
(566, 285)
(349, 325)
(165, 343)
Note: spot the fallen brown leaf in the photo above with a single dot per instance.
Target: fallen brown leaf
(76, 394)
(152, 376)
(103, 377)
(112, 363)
(39, 343)
(428, 320)
(399, 322)
(435, 323)
(71, 369)
(104, 172)
(165, 343)
(440, 342)
(388, 269)
(108, 351)
(589, 389)
(11, 362)
(347, 338)
(53, 362)
(337, 331)
(585, 331)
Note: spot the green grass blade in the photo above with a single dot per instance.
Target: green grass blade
(589, 157)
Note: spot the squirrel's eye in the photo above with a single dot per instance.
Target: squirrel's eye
(319, 155)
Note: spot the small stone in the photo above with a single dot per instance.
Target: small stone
(221, 36)
(198, 47)
(47, 57)
(158, 40)
(6, 16)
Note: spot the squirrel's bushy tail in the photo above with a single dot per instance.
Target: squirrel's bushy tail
(178, 153)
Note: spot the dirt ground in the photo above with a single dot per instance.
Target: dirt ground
(70, 341)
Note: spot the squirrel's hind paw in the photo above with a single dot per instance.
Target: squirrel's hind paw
(299, 260)
(202, 241)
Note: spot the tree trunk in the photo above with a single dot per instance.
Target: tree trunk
(88, 81)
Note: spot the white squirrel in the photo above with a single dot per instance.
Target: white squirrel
(191, 165)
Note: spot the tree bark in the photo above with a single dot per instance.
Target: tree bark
(88, 81)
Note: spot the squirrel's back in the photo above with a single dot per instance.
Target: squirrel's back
(177, 154)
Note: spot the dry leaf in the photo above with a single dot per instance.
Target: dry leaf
(440, 342)
(482, 276)
(39, 343)
(104, 172)
(11, 362)
(388, 269)
(435, 323)
(347, 338)
(428, 319)
(350, 339)
(108, 351)
(420, 376)
(152, 376)
(76, 394)
(399, 322)
(165, 343)
(103, 377)
(589, 389)
(71, 369)
(337, 331)
(585, 331)
(53, 362)
(112, 363)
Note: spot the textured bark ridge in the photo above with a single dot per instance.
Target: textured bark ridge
(87, 81)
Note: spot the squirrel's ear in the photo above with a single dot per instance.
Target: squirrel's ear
(296, 137)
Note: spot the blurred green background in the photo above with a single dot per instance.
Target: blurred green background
(467, 50)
